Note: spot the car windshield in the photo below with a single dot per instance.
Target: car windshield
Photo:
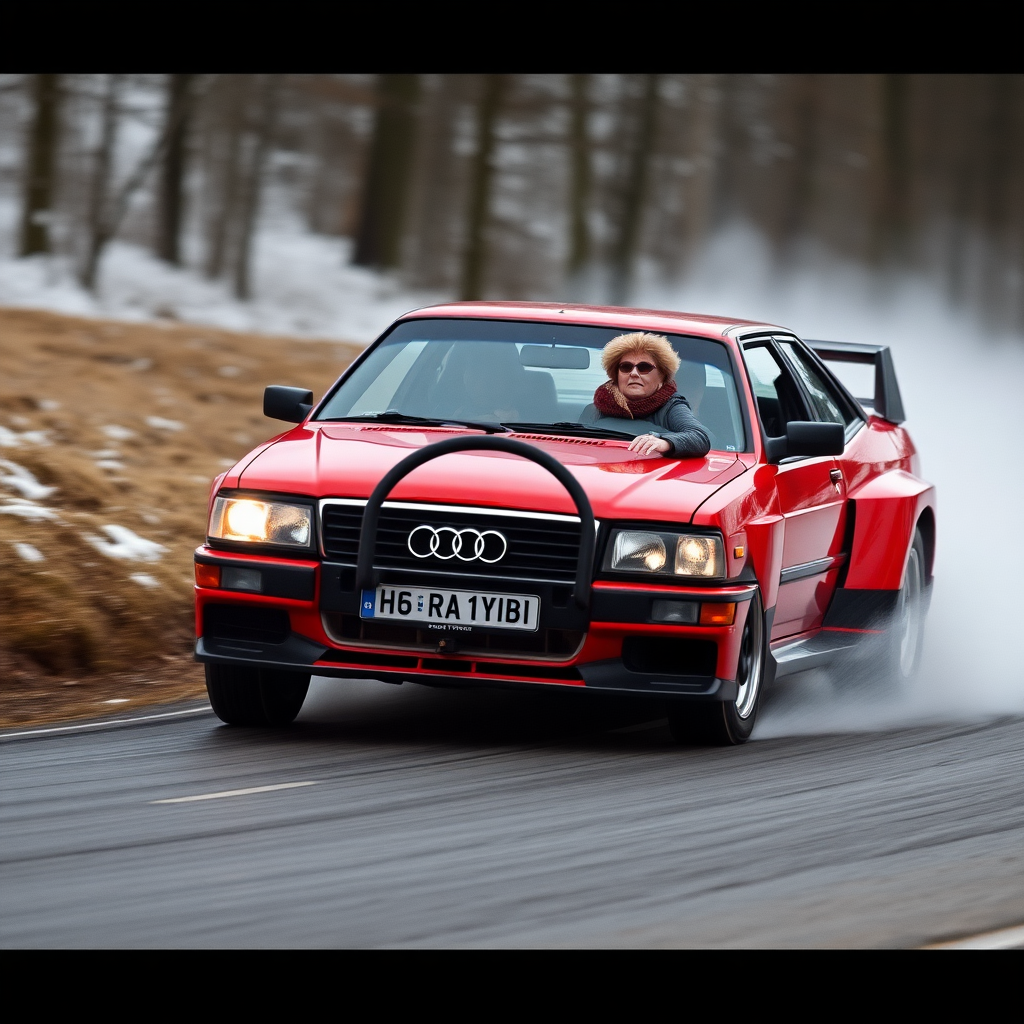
(523, 376)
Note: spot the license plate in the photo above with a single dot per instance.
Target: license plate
(452, 609)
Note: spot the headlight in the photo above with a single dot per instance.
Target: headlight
(261, 522)
(676, 554)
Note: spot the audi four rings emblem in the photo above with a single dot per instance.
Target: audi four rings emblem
(467, 545)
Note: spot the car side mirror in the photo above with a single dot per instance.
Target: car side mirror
(806, 437)
(289, 404)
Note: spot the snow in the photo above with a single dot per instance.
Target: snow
(12, 439)
(159, 423)
(144, 580)
(303, 286)
(28, 510)
(123, 543)
(117, 433)
(19, 479)
(28, 552)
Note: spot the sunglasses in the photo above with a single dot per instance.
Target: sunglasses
(626, 367)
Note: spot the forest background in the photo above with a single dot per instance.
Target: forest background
(170, 244)
(572, 187)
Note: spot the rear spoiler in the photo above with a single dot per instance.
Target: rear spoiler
(887, 402)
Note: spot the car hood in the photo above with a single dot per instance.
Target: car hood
(347, 460)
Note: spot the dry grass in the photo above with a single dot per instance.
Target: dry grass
(75, 629)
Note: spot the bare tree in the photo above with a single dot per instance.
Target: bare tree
(41, 168)
(225, 172)
(386, 183)
(801, 193)
(635, 193)
(99, 186)
(252, 184)
(172, 178)
(439, 186)
(475, 252)
(892, 227)
(580, 180)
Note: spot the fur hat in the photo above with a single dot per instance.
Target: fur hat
(636, 344)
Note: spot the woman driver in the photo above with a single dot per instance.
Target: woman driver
(641, 385)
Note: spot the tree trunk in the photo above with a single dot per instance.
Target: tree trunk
(580, 181)
(386, 185)
(802, 191)
(482, 173)
(892, 229)
(631, 222)
(40, 173)
(235, 92)
(250, 199)
(172, 179)
(100, 184)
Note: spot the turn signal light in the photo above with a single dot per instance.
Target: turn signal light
(207, 575)
(718, 614)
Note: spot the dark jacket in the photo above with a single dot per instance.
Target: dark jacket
(673, 421)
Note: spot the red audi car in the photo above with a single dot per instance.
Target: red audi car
(447, 514)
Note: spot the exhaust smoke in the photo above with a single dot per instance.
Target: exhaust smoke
(962, 387)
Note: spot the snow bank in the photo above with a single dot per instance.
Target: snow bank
(302, 283)
(19, 479)
(123, 543)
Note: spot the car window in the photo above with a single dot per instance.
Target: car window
(518, 372)
(778, 399)
(826, 401)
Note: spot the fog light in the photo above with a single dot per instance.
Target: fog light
(207, 575)
(674, 611)
(242, 579)
(718, 614)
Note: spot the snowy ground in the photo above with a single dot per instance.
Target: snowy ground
(303, 283)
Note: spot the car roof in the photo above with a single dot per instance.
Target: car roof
(666, 320)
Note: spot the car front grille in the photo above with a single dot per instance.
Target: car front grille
(538, 548)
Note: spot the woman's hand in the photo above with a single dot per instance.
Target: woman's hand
(648, 444)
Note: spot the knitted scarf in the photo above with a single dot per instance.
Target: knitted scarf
(610, 401)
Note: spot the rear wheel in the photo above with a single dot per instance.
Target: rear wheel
(892, 658)
(241, 695)
(724, 723)
(907, 641)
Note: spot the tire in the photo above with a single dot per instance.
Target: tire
(730, 722)
(240, 695)
(905, 637)
(885, 663)
(283, 694)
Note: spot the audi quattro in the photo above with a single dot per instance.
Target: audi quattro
(397, 532)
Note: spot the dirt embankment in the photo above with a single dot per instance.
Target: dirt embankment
(110, 434)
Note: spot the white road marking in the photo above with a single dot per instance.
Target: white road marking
(1005, 938)
(102, 724)
(232, 792)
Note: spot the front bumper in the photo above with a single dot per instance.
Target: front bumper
(622, 649)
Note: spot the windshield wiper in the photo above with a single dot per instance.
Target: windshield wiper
(420, 421)
(570, 428)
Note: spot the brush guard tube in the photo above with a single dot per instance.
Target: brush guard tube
(367, 576)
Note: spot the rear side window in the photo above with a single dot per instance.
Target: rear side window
(778, 399)
(827, 403)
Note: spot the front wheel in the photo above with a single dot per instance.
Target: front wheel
(240, 695)
(729, 722)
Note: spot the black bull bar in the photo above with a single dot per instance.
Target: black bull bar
(367, 576)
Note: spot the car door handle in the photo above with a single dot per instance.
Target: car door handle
(836, 476)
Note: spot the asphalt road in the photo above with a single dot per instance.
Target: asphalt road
(443, 818)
